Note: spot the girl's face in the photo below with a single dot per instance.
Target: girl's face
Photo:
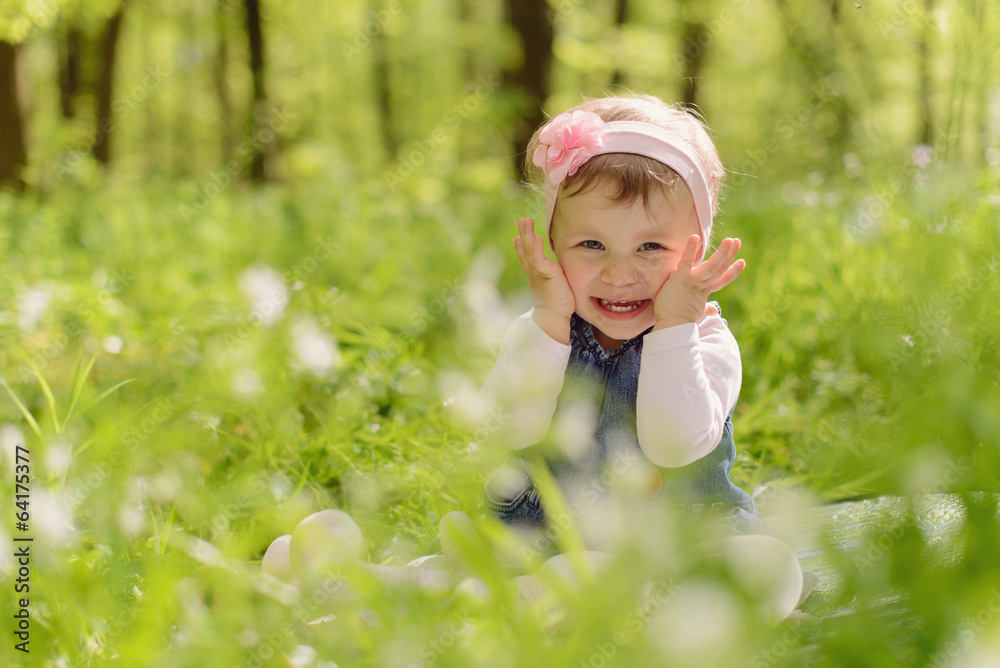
(617, 257)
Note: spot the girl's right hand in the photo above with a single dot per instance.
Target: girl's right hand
(550, 290)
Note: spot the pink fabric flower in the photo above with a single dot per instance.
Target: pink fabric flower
(570, 140)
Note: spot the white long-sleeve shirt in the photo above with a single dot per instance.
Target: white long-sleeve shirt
(689, 381)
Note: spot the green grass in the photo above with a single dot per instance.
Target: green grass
(162, 471)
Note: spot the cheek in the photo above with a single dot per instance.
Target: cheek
(576, 269)
(658, 272)
(576, 276)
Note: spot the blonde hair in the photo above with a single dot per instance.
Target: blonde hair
(632, 176)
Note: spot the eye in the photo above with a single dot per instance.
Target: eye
(650, 246)
(593, 245)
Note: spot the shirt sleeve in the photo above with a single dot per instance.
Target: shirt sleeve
(689, 380)
(521, 391)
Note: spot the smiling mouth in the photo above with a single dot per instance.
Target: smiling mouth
(616, 306)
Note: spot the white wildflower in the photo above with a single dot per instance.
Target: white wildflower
(11, 436)
(31, 306)
(266, 290)
(313, 349)
(246, 382)
(113, 345)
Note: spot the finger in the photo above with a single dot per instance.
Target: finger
(527, 227)
(529, 241)
(518, 246)
(550, 268)
(720, 254)
(538, 257)
(526, 241)
(728, 276)
(520, 256)
(688, 257)
(712, 268)
(522, 230)
(532, 251)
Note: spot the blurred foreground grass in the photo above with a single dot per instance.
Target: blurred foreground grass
(288, 350)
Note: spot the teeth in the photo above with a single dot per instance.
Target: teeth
(619, 306)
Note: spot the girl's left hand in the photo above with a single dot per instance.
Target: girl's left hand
(683, 297)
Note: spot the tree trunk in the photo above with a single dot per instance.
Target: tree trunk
(260, 111)
(532, 21)
(383, 95)
(14, 155)
(221, 78)
(105, 87)
(924, 66)
(817, 52)
(69, 69)
(695, 43)
(465, 18)
(621, 17)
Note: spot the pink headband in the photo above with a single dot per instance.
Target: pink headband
(573, 138)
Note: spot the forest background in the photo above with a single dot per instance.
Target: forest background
(257, 257)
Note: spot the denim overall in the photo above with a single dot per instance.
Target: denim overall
(606, 382)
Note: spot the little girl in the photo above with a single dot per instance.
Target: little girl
(621, 323)
(621, 336)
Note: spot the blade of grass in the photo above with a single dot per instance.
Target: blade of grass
(167, 523)
(46, 390)
(854, 487)
(78, 382)
(156, 530)
(73, 453)
(302, 482)
(82, 448)
(345, 457)
(249, 446)
(104, 394)
(24, 411)
(566, 533)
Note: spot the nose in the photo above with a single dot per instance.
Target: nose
(619, 273)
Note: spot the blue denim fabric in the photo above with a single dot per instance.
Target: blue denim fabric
(606, 382)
